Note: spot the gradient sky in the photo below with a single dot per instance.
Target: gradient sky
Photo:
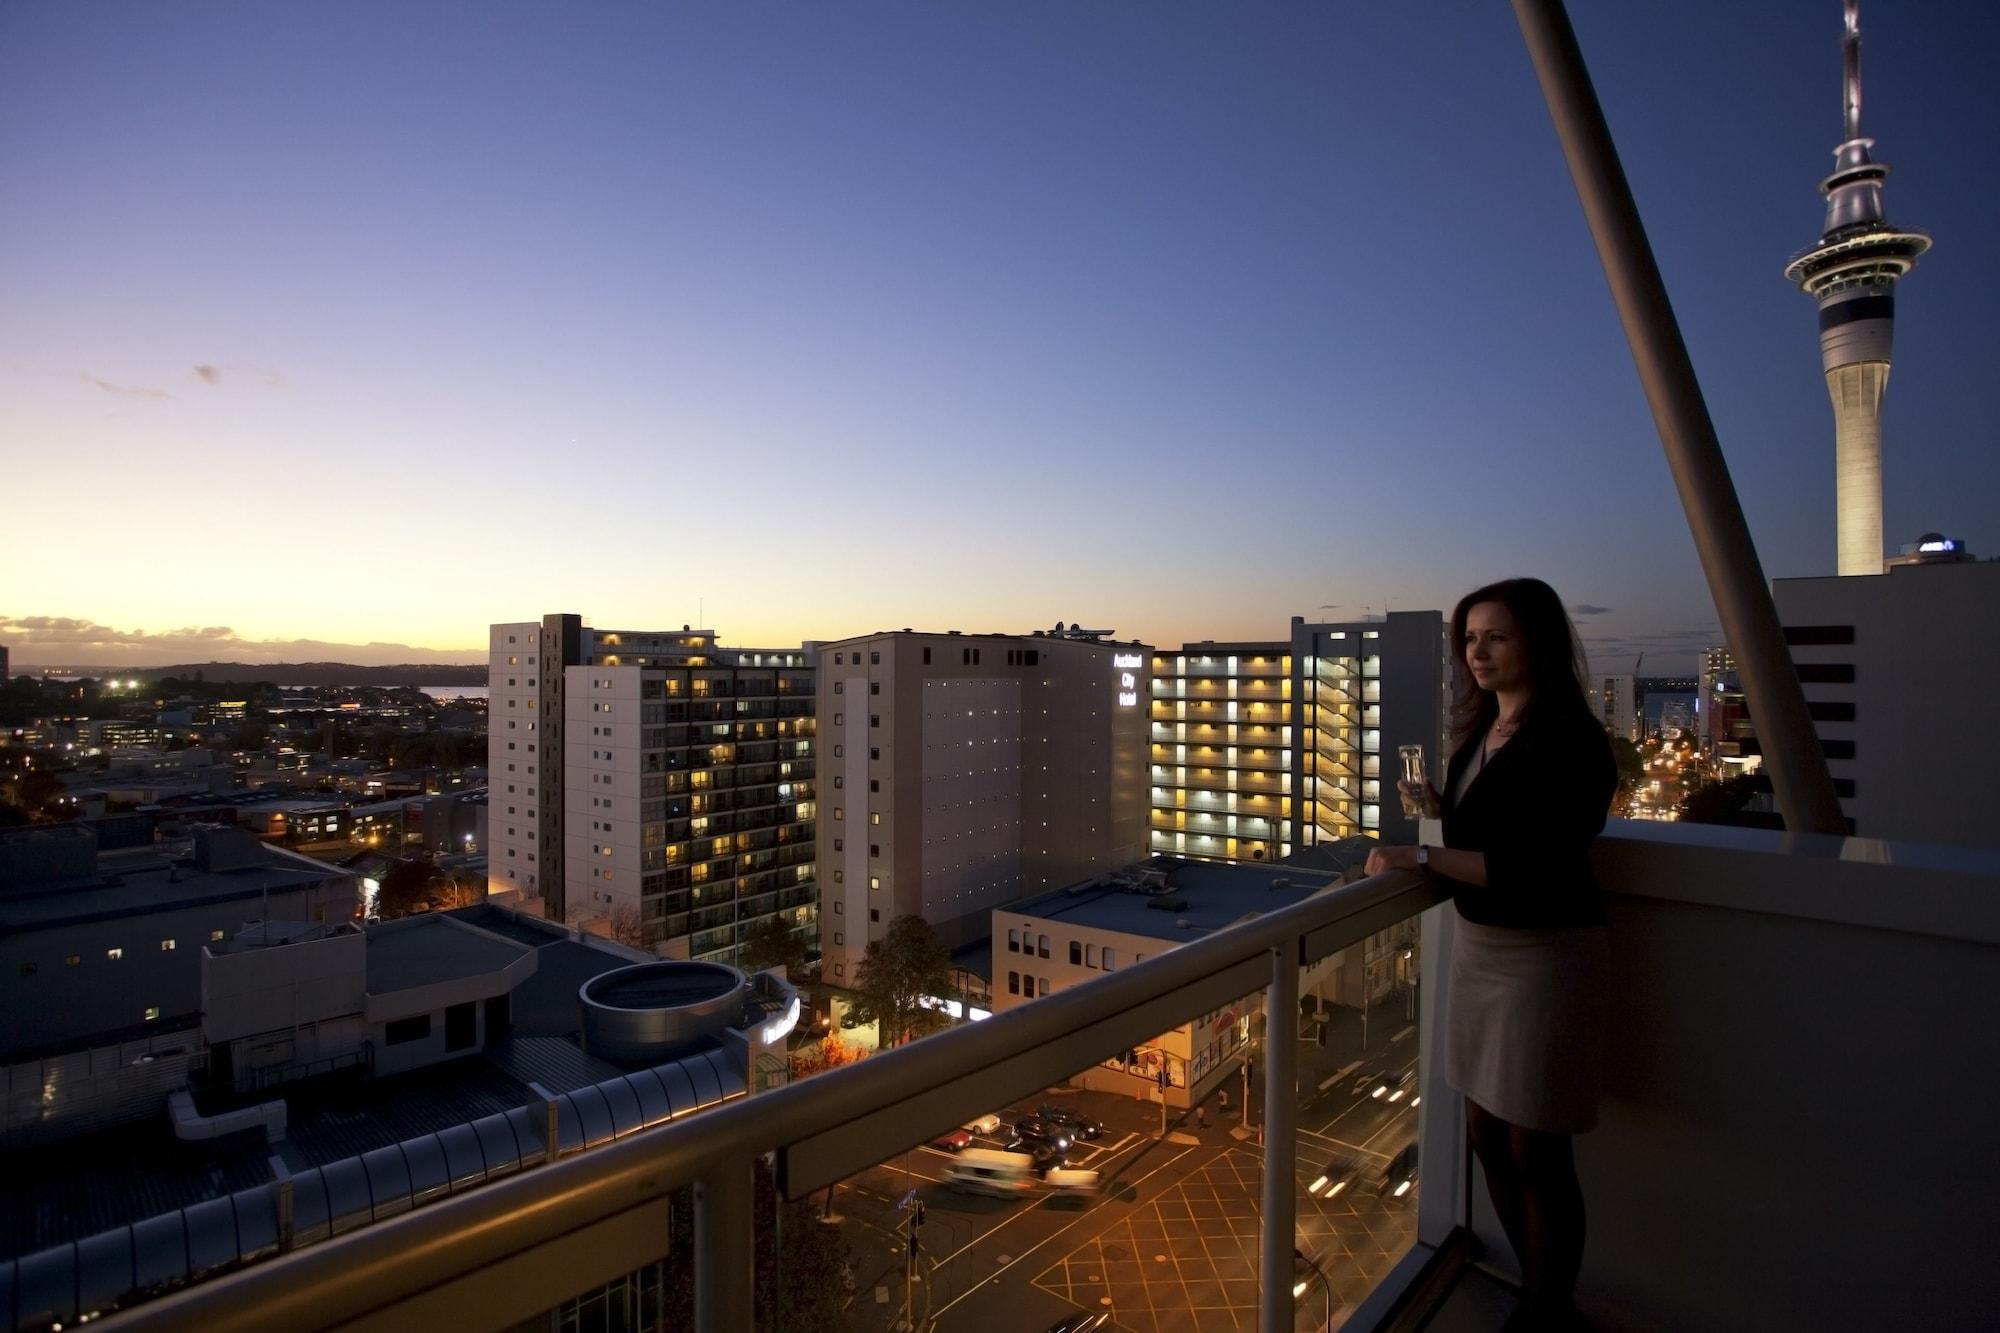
(371, 324)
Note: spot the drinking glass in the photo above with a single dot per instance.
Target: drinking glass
(1417, 806)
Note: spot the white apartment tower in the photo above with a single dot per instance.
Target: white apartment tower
(964, 771)
(651, 784)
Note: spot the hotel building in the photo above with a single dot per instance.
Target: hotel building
(965, 771)
(651, 784)
(1261, 748)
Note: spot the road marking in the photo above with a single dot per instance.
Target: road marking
(1339, 1074)
(1081, 1217)
(1392, 1123)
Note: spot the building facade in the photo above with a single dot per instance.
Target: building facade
(1615, 701)
(1261, 748)
(659, 788)
(965, 770)
(1896, 670)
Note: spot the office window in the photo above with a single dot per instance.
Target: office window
(874, 881)
(839, 812)
(840, 687)
(875, 817)
(874, 914)
(1042, 946)
(839, 969)
(839, 751)
(74, 960)
(839, 781)
(1043, 982)
(874, 687)
(839, 844)
(874, 784)
(840, 659)
(1090, 955)
(838, 938)
(875, 659)
(402, 1031)
(152, 1012)
(1818, 635)
(839, 907)
(839, 876)
(461, 1026)
(114, 955)
(1110, 958)
(1013, 940)
(874, 719)
(166, 946)
(874, 849)
(1013, 983)
(927, 657)
(874, 752)
(1075, 954)
(840, 719)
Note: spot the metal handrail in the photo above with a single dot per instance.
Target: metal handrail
(836, 1120)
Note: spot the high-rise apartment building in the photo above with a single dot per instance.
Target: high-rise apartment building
(1615, 701)
(652, 783)
(1261, 748)
(1897, 675)
(964, 771)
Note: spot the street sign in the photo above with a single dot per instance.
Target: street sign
(907, 1199)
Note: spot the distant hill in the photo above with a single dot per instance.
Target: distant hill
(319, 673)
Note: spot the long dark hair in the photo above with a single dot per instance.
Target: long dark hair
(1555, 657)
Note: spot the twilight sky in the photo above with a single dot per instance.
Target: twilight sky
(346, 329)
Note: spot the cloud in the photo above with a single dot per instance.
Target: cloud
(1582, 609)
(122, 390)
(70, 641)
(264, 375)
(207, 374)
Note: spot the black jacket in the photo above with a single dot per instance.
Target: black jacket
(1534, 810)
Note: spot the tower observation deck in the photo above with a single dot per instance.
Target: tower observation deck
(1852, 273)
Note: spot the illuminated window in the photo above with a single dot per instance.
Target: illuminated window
(152, 1012)
(114, 954)
(874, 881)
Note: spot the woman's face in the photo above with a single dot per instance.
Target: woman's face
(1494, 653)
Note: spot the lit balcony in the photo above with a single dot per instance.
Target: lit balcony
(1795, 1127)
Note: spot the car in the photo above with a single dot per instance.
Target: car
(1032, 1130)
(1400, 1176)
(1066, 1180)
(1394, 1085)
(1078, 1126)
(1083, 1321)
(988, 1124)
(1047, 1156)
(983, 1171)
(953, 1140)
(849, 1019)
(1336, 1177)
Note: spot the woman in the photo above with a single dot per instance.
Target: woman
(1526, 791)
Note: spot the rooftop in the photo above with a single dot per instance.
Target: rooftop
(429, 948)
(1207, 895)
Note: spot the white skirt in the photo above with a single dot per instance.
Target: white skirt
(1524, 1031)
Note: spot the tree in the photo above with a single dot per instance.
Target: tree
(1631, 767)
(1721, 802)
(771, 943)
(627, 927)
(800, 1268)
(905, 964)
(830, 1052)
(406, 888)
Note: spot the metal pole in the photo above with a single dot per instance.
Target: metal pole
(1281, 1113)
(724, 1241)
(1715, 517)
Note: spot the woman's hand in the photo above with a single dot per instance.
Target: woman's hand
(1390, 858)
(1423, 793)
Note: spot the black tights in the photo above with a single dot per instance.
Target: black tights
(1531, 1175)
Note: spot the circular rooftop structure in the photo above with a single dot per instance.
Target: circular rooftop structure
(653, 1012)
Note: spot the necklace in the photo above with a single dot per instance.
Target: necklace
(1503, 728)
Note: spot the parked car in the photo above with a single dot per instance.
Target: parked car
(1030, 1129)
(988, 1124)
(849, 1019)
(953, 1140)
(1078, 1126)
(1336, 1177)
(1047, 1156)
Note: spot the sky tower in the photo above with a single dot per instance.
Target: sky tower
(1852, 273)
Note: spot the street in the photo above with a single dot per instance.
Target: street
(1171, 1241)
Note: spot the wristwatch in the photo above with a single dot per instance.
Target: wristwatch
(1423, 857)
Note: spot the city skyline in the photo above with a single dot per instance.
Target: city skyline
(1030, 311)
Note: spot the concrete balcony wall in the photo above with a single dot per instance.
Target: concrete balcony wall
(1805, 1065)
